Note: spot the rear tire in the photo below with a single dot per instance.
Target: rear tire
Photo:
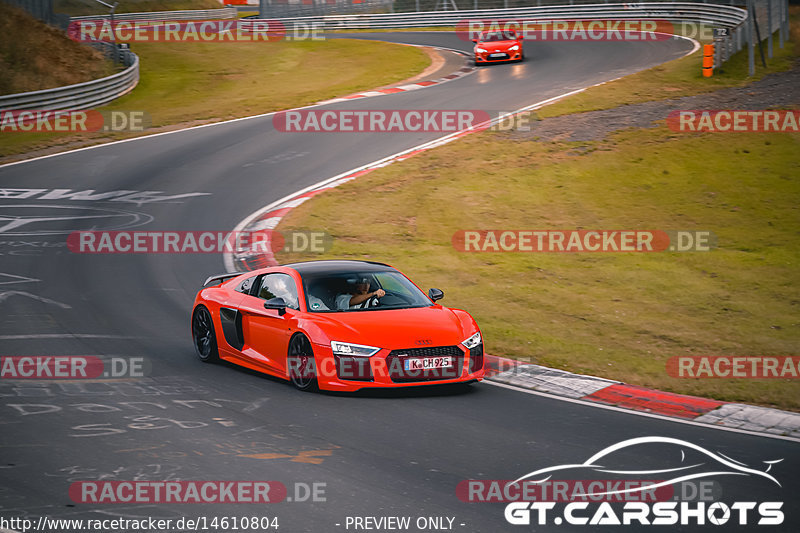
(205, 341)
(302, 368)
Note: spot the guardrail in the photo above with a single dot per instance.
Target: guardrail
(738, 25)
(714, 14)
(284, 8)
(96, 93)
(191, 14)
(81, 95)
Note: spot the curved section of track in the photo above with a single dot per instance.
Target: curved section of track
(398, 454)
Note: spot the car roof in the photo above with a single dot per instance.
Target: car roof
(338, 266)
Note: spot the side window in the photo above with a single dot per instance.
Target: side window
(279, 286)
(246, 285)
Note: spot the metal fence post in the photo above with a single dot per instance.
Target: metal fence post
(751, 50)
(786, 20)
(769, 29)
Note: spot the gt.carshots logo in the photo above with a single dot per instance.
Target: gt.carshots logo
(379, 121)
(624, 496)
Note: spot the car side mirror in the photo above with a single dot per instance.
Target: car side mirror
(276, 303)
(474, 40)
(435, 294)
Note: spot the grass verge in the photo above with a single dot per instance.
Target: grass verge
(616, 315)
(681, 77)
(620, 316)
(191, 83)
(35, 56)
(78, 8)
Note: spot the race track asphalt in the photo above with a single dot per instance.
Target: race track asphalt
(382, 454)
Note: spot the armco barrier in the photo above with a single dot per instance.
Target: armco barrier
(735, 25)
(700, 13)
(732, 21)
(191, 14)
(79, 96)
(96, 93)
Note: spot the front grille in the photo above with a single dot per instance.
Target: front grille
(398, 374)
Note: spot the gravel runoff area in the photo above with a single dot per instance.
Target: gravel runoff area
(775, 91)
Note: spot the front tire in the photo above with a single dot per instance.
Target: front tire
(302, 368)
(205, 341)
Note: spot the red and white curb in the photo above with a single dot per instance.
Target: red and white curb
(460, 73)
(268, 217)
(549, 381)
(565, 384)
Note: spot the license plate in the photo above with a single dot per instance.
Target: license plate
(427, 363)
(497, 55)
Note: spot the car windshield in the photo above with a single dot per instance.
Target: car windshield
(494, 36)
(334, 292)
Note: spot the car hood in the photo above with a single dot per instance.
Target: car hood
(497, 46)
(395, 328)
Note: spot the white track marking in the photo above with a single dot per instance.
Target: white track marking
(16, 279)
(262, 115)
(5, 296)
(694, 49)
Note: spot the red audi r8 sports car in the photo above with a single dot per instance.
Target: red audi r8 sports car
(497, 46)
(336, 325)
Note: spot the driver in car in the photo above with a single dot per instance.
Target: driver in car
(359, 296)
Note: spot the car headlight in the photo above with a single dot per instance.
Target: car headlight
(473, 341)
(480, 50)
(515, 47)
(353, 350)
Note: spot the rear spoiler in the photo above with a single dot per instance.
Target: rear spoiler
(220, 278)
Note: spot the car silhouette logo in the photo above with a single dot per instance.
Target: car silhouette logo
(720, 465)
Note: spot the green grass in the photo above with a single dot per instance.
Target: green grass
(616, 315)
(201, 82)
(35, 56)
(78, 8)
(619, 316)
(681, 77)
